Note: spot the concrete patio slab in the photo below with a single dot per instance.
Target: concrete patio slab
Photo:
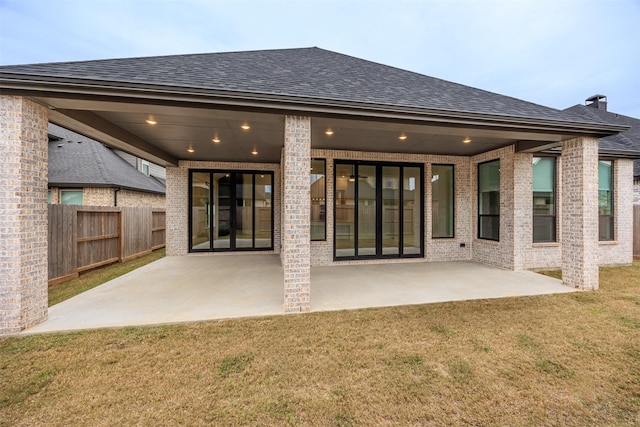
(196, 288)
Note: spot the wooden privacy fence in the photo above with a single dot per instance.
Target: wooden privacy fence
(86, 237)
(636, 230)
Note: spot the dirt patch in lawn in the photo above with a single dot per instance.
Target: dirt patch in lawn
(566, 360)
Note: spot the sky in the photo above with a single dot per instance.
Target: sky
(552, 52)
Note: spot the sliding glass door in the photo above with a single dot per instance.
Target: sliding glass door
(230, 210)
(378, 210)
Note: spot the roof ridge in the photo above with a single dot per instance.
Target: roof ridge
(177, 55)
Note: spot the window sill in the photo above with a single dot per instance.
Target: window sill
(490, 242)
(546, 244)
(607, 242)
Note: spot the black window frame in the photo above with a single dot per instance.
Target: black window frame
(211, 172)
(324, 238)
(453, 200)
(379, 165)
(555, 204)
(481, 216)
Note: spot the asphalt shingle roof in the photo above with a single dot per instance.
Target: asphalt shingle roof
(302, 73)
(75, 160)
(624, 141)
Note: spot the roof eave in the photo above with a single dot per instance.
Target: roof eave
(34, 85)
(78, 185)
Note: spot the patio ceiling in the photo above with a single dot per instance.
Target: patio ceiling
(182, 127)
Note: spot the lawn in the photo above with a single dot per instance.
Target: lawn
(559, 360)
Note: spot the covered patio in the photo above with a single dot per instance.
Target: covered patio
(207, 287)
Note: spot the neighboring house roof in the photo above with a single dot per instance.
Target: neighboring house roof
(78, 161)
(310, 74)
(628, 141)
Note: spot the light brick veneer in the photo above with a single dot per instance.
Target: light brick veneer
(501, 253)
(435, 249)
(23, 214)
(296, 249)
(580, 213)
(620, 251)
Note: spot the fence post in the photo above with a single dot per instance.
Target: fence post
(120, 235)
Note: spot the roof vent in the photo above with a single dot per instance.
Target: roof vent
(599, 102)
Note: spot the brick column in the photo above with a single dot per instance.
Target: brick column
(296, 244)
(580, 213)
(177, 208)
(23, 214)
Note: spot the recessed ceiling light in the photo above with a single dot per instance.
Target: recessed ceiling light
(254, 152)
(190, 149)
(215, 139)
(328, 132)
(466, 140)
(245, 126)
(152, 121)
(402, 136)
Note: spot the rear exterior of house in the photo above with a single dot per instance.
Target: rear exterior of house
(327, 159)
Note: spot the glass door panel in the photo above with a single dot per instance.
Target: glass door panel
(411, 211)
(263, 209)
(221, 213)
(200, 209)
(366, 180)
(244, 211)
(345, 210)
(378, 210)
(390, 210)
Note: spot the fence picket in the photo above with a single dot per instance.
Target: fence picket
(85, 237)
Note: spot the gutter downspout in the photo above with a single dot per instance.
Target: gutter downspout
(115, 196)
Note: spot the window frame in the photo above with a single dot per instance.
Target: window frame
(232, 172)
(379, 206)
(611, 216)
(480, 216)
(555, 203)
(324, 238)
(453, 200)
(71, 190)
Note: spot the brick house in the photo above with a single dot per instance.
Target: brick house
(83, 171)
(595, 108)
(324, 159)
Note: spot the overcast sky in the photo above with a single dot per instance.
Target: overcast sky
(551, 52)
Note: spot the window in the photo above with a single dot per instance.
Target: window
(49, 196)
(318, 195)
(442, 200)
(378, 210)
(71, 197)
(544, 205)
(489, 200)
(605, 199)
(230, 210)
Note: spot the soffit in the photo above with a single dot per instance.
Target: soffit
(181, 127)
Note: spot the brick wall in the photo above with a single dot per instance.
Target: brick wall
(138, 199)
(296, 222)
(435, 249)
(104, 196)
(499, 254)
(580, 247)
(620, 251)
(23, 214)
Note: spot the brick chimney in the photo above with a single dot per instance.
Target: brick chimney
(598, 102)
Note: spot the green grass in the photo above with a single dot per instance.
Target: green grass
(556, 360)
(93, 278)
